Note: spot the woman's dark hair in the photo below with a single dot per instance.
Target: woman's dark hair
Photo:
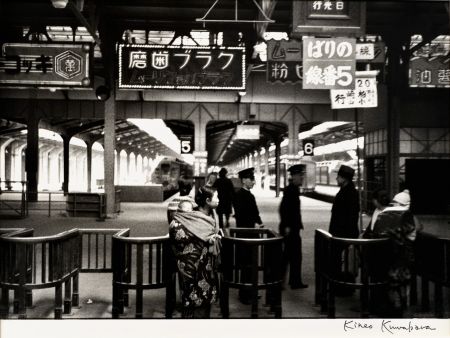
(203, 194)
(382, 197)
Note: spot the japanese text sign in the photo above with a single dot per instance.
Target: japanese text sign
(247, 132)
(45, 65)
(174, 67)
(342, 18)
(200, 163)
(425, 72)
(364, 95)
(329, 63)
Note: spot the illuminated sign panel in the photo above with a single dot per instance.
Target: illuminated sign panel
(175, 67)
(45, 65)
(247, 132)
(329, 18)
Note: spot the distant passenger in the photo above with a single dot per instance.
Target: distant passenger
(245, 208)
(225, 190)
(398, 223)
(345, 210)
(291, 226)
(196, 242)
(380, 200)
(211, 180)
(185, 185)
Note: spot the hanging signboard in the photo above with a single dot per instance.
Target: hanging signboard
(365, 95)
(46, 65)
(247, 132)
(332, 18)
(328, 63)
(200, 163)
(284, 59)
(429, 72)
(174, 67)
(186, 144)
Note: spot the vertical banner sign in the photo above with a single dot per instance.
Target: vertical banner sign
(175, 67)
(364, 95)
(308, 147)
(186, 144)
(329, 63)
(200, 163)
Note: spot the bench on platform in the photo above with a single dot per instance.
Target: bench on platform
(251, 261)
(142, 263)
(346, 265)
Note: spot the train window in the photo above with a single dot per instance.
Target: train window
(165, 168)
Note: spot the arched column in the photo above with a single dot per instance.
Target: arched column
(89, 165)
(4, 143)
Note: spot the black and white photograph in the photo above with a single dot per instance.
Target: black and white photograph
(233, 168)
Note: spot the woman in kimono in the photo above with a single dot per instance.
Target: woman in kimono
(196, 243)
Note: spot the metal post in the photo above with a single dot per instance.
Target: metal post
(358, 170)
(49, 204)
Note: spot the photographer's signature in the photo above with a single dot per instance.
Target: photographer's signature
(387, 326)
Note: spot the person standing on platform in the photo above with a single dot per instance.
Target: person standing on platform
(225, 191)
(247, 216)
(184, 185)
(211, 180)
(345, 210)
(195, 240)
(291, 226)
(245, 209)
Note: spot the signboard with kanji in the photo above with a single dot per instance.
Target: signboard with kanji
(331, 18)
(429, 72)
(46, 65)
(175, 67)
(329, 63)
(247, 132)
(364, 95)
(200, 163)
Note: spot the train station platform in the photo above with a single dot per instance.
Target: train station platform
(150, 219)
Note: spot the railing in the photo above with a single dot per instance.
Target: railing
(432, 265)
(343, 265)
(37, 263)
(28, 263)
(251, 261)
(14, 200)
(141, 264)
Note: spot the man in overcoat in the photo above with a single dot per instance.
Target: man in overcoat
(245, 208)
(291, 226)
(345, 210)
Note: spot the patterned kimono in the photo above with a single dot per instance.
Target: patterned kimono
(196, 265)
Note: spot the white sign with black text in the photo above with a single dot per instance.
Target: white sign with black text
(364, 95)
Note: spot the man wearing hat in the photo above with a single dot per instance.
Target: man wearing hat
(245, 209)
(291, 225)
(345, 210)
(247, 215)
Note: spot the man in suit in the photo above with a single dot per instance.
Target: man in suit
(345, 210)
(291, 226)
(245, 208)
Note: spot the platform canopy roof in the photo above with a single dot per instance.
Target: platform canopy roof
(105, 23)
